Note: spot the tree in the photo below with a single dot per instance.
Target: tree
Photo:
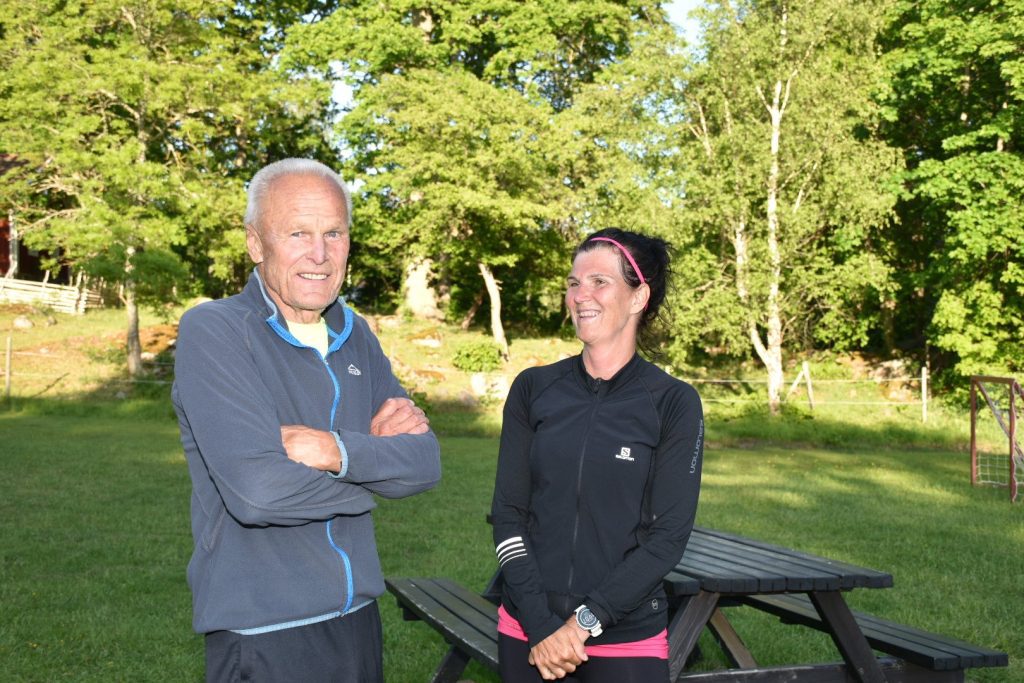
(461, 129)
(139, 123)
(954, 104)
(787, 191)
(468, 176)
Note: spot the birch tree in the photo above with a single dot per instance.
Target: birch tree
(787, 187)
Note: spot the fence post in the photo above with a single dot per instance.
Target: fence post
(796, 382)
(7, 370)
(810, 387)
(924, 393)
(974, 431)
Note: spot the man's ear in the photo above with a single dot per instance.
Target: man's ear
(254, 244)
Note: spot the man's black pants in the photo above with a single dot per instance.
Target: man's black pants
(340, 650)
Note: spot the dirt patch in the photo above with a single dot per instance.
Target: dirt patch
(159, 338)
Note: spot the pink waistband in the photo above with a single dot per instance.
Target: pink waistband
(655, 646)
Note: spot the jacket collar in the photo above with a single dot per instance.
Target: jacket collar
(604, 386)
(338, 316)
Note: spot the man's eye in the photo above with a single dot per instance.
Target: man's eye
(333, 235)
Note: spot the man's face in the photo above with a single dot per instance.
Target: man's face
(301, 245)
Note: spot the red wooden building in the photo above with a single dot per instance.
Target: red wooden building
(15, 259)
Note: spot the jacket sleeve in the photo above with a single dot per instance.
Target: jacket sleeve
(230, 422)
(673, 503)
(390, 466)
(510, 514)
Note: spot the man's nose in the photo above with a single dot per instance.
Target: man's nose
(318, 249)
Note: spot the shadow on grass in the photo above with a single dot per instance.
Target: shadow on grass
(153, 402)
(797, 428)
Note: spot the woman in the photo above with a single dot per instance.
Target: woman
(597, 483)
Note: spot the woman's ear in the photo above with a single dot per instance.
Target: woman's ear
(641, 295)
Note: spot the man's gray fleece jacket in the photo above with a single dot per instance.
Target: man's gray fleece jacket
(276, 541)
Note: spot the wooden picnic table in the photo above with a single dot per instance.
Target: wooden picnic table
(717, 570)
(730, 568)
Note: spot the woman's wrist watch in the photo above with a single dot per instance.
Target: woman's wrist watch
(588, 621)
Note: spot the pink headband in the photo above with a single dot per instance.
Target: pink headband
(625, 252)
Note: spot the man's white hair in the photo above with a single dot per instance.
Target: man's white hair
(265, 177)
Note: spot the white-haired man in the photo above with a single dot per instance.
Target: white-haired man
(292, 420)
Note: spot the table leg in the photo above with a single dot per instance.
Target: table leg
(451, 667)
(848, 637)
(685, 627)
(732, 645)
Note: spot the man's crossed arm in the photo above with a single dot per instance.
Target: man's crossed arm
(319, 449)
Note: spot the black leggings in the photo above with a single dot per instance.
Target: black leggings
(514, 667)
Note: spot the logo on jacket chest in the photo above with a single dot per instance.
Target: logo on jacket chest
(624, 454)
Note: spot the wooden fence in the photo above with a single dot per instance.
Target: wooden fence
(63, 298)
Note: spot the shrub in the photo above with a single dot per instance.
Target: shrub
(478, 356)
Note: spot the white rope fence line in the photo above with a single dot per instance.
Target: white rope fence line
(817, 381)
(804, 376)
(914, 402)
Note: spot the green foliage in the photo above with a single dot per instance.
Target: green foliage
(479, 356)
(136, 127)
(954, 104)
(466, 134)
(493, 133)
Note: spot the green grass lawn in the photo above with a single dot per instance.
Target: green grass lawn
(95, 532)
(94, 497)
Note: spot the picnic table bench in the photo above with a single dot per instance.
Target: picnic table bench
(720, 570)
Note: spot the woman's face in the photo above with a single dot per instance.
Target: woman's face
(603, 307)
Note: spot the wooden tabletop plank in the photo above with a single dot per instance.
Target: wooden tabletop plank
(727, 563)
(776, 572)
(851, 576)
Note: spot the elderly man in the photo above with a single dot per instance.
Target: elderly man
(291, 420)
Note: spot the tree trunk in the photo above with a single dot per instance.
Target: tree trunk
(134, 345)
(772, 360)
(771, 355)
(494, 294)
(478, 301)
(419, 294)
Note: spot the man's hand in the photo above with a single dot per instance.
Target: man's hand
(311, 447)
(560, 653)
(399, 416)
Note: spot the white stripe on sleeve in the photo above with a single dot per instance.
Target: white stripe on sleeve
(510, 549)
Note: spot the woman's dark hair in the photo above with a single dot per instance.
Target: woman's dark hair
(651, 255)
